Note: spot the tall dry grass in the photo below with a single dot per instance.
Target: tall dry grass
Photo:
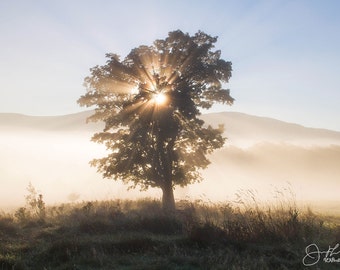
(126, 234)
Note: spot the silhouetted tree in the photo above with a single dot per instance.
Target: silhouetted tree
(150, 103)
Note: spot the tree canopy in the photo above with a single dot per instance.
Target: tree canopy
(150, 103)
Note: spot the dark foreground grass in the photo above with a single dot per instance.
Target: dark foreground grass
(137, 235)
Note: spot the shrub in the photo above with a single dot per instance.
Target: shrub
(35, 203)
(7, 226)
(22, 214)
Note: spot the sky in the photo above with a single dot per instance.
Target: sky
(285, 54)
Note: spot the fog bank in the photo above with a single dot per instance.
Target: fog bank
(53, 154)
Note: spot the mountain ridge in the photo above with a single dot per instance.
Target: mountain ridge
(240, 128)
(85, 114)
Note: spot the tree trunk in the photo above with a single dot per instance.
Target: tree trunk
(168, 200)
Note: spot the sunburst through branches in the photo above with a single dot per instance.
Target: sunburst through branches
(159, 98)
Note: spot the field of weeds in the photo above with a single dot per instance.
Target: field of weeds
(138, 235)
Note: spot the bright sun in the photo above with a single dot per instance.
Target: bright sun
(159, 98)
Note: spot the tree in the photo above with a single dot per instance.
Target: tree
(150, 103)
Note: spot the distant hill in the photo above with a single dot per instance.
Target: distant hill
(70, 122)
(241, 129)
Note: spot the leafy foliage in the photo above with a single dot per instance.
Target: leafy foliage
(150, 103)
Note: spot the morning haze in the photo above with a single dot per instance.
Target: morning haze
(263, 154)
(269, 199)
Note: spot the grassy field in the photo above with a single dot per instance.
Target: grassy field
(137, 235)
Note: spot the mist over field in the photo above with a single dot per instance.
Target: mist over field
(262, 154)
